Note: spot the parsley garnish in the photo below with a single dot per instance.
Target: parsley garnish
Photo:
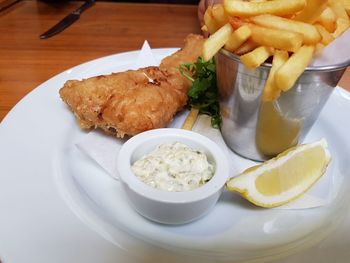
(203, 93)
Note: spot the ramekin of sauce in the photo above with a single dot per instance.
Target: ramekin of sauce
(172, 176)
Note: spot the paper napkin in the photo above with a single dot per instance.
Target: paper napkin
(104, 149)
(145, 57)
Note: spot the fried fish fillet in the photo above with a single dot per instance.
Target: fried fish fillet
(133, 101)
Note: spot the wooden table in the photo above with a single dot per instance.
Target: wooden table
(107, 28)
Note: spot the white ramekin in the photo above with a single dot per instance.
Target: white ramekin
(171, 207)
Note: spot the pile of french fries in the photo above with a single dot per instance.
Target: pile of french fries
(289, 31)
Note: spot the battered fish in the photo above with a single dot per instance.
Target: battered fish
(133, 101)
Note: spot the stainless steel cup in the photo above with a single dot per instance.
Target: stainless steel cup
(260, 130)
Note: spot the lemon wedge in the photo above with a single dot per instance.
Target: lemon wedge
(283, 178)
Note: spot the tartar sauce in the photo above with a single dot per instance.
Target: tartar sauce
(174, 167)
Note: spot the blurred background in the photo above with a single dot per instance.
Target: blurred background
(186, 2)
(165, 1)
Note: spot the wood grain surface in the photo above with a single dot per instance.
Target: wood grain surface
(106, 28)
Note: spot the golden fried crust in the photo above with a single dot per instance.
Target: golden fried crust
(133, 101)
(189, 53)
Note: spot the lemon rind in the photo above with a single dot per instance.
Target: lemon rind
(244, 184)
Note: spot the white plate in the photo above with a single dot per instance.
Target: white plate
(46, 216)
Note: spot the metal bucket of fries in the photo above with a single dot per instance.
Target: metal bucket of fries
(258, 129)
(267, 108)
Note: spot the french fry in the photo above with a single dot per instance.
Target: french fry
(237, 38)
(271, 91)
(326, 36)
(319, 49)
(257, 29)
(236, 22)
(342, 26)
(327, 19)
(216, 41)
(343, 21)
(339, 10)
(256, 57)
(246, 47)
(280, 39)
(190, 119)
(257, 1)
(219, 14)
(289, 72)
(209, 21)
(204, 28)
(312, 11)
(276, 7)
(309, 32)
(346, 4)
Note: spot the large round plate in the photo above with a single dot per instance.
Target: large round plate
(51, 212)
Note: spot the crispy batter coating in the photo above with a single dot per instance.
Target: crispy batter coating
(133, 101)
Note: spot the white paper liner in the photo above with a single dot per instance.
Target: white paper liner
(104, 149)
(336, 53)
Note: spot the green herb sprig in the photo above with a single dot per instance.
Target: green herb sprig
(203, 93)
